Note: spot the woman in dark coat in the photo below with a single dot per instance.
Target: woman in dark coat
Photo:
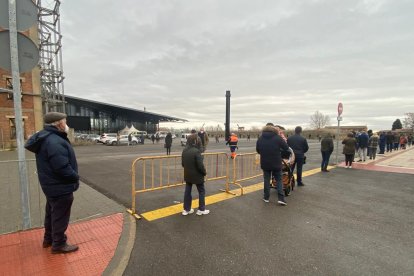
(349, 149)
(168, 143)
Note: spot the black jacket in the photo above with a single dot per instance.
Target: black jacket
(299, 145)
(57, 167)
(327, 144)
(192, 161)
(269, 146)
(168, 140)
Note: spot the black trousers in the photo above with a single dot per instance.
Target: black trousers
(57, 219)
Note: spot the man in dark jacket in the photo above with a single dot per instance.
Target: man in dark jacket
(300, 146)
(57, 170)
(327, 148)
(362, 141)
(269, 146)
(194, 173)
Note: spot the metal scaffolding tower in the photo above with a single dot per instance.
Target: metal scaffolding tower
(50, 48)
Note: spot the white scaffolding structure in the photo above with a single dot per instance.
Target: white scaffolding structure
(50, 48)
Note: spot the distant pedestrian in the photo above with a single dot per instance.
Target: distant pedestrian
(248, 137)
(194, 173)
(349, 149)
(396, 141)
(168, 143)
(232, 142)
(390, 141)
(382, 142)
(269, 146)
(410, 140)
(57, 170)
(204, 139)
(118, 139)
(217, 138)
(299, 144)
(362, 140)
(142, 139)
(129, 139)
(403, 141)
(373, 144)
(327, 148)
(153, 138)
(157, 138)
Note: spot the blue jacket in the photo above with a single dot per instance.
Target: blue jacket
(269, 146)
(57, 167)
(299, 145)
(363, 139)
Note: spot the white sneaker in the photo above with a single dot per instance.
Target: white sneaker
(282, 202)
(184, 213)
(200, 213)
(266, 200)
(350, 167)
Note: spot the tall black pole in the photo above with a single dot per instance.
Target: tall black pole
(227, 131)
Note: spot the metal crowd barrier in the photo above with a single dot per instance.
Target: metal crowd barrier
(245, 166)
(153, 173)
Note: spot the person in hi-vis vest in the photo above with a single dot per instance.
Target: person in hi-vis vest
(232, 142)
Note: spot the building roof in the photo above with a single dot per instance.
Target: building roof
(121, 110)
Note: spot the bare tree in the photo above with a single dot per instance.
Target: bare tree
(318, 120)
(409, 120)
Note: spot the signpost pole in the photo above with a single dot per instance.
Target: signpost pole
(18, 116)
(339, 118)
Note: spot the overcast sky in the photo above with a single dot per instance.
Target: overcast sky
(282, 60)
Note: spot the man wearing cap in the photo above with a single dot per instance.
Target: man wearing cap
(57, 170)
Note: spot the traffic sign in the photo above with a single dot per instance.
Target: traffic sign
(28, 52)
(340, 109)
(26, 14)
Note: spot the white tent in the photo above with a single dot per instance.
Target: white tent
(132, 129)
(125, 131)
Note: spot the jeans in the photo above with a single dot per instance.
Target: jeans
(382, 148)
(373, 153)
(325, 159)
(188, 198)
(389, 147)
(298, 164)
(362, 152)
(57, 214)
(277, 174)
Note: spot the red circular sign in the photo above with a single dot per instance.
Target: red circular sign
(340, 109)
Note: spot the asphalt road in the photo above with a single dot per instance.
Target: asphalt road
(346, 222)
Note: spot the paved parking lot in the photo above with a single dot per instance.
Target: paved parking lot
(346, 222)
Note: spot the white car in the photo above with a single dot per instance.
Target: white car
(183, 139)
(123, 140)
(106, 136)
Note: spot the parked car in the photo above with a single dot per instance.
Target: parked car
(93, 138)
(123, 140)
(183, 139)
(106, 136)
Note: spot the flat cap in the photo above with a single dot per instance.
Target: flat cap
(52, 117)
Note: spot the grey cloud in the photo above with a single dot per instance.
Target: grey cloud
(281, 59)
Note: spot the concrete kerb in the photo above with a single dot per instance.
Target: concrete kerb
(123, 251)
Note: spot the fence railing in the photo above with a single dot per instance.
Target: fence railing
(153, 173)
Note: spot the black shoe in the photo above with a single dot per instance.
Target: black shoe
(67, 248)
(301, 184)
(47, 244)
(326, 170)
